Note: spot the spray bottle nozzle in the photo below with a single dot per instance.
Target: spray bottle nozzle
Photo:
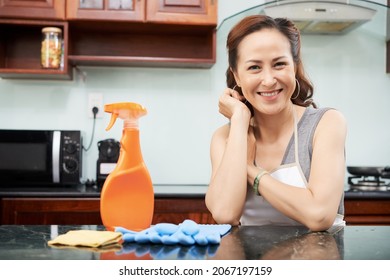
(112, 121)
(128, 111)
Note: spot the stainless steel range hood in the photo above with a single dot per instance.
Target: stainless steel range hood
(322, 17)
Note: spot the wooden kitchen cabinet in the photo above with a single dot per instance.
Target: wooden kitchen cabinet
(168, 33)
(157, 33)
(137, 44)
(158, 11)
(177, 209)
(367, 211)
(79, 211)
(182, 11)
(33, 9)
(86, 211)
(20, 49)
(47, 211)
(116, 10)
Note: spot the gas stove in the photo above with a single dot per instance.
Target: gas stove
(376, 179)
(363, 183)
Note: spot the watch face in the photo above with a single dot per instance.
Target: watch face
(109, 150)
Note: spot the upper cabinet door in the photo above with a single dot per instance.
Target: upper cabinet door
(32, 9)
(118, 10)
(199, 12)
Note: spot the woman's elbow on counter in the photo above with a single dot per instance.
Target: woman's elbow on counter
(224, 219)
(319, 221)
(319, 226)
(221, 216)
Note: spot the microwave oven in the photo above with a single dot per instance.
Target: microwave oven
(40, 157)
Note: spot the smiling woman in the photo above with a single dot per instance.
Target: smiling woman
(289, 40)
(279, 160)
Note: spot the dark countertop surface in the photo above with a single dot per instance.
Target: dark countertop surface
(367, 194)
(81, 191)
(160, 190)
(19, 242)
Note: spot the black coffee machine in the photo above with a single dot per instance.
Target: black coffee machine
(108, 157)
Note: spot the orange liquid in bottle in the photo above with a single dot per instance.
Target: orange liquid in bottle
(127, 197)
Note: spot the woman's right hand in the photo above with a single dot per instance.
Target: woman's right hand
(231, 102)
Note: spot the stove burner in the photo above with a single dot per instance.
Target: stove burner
(374, 183)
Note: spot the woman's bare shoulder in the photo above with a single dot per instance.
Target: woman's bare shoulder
(331, 124)
(334, 117)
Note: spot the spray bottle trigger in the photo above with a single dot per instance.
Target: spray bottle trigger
(112, 120)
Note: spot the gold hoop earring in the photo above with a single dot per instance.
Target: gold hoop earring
(298, 91)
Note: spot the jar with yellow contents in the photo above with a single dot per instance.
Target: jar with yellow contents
(51, 49)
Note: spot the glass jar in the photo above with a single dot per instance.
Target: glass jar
(51, 48)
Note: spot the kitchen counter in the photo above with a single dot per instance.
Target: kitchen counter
(160, 190)
(367, 194)
(19, 242)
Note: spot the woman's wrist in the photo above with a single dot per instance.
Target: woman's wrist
(256, 181)
(241, 115)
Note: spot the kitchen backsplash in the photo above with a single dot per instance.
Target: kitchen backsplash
(348, 73)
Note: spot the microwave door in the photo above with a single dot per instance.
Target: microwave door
(56, 161)
(26, 157)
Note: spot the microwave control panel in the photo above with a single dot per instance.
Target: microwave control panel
(71, 156)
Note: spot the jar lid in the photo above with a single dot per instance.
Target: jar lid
(51, 29)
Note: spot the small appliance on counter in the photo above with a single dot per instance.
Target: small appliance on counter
(372, 178)
(108, 157)
(40, 157)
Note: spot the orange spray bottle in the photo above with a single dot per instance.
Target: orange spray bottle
(127, 197)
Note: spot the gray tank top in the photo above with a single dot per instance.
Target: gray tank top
(306, 128)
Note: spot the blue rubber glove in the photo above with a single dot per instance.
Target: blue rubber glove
(187, 233)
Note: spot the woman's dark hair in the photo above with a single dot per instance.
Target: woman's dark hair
(255, 23)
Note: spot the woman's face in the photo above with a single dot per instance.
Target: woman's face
(265, 71)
